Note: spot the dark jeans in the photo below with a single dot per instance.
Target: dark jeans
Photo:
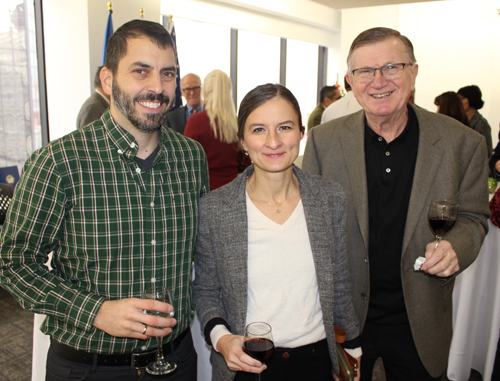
(59, 369)
(310, 362)
(395, 345)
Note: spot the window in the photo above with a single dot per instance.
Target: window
(202, 47)
(20, 129)
(258, 61)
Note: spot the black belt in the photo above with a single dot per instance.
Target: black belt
(134, 360)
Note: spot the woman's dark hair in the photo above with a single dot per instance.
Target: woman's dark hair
(450, 104)
(117, 43)
(260, 95)
(473, 94)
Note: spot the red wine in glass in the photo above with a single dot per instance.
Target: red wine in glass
(441, 225)
(442, 216)
(261, 349)
(258, 342)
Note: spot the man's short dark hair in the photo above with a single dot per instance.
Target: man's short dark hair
(117, 43)
(97, 78)
(327, 92)
(375, 35)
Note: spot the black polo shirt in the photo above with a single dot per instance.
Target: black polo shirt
(389, 170)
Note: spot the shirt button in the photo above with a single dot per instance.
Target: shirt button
(152, 204)
(286, 355)
(153, 242)
(388, 170)
(364, 297)
(144, 347)
(366, 260)
(153, 280)
(380, 138)
(132, 145)
(120, 151)
(138, 170)
(387, 153)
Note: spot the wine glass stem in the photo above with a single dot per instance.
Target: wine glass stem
(258, 376)
(159, 350)
(438, 239)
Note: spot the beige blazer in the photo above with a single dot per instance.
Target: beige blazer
(451, 159)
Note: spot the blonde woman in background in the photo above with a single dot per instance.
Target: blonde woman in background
(216, 129)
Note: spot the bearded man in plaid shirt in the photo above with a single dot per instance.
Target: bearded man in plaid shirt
(116, 202)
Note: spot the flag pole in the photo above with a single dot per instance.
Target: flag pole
(108, 32)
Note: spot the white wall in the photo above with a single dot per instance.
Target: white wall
(298, 19)
(66, 62)
(301, 20)
(457, 43)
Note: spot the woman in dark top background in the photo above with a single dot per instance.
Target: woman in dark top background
(471, 98)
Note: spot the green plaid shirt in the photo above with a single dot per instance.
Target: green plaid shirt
(113, 229)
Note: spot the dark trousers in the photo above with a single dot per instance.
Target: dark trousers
(310, 362)
(395, 345)
(59, 369)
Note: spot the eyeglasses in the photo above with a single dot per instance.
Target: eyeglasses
(189, 89)
(391, 71)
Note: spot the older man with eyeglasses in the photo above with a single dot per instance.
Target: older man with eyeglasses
(392, 159)
(191, 91)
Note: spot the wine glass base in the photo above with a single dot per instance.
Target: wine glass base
(157, 369)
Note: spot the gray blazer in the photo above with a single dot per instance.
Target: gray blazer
(451, 159)
(176, 119)
(220, 286)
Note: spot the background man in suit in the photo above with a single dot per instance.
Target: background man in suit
(327, 95)
(95, 105)
(392, 159)
(191, 91)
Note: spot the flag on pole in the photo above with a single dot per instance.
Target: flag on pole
(108, 33)
(178, 100)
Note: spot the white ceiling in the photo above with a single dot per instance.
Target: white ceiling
(344, 4)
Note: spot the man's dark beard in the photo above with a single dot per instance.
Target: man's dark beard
(150, 123)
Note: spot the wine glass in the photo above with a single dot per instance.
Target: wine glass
(258, 342)
(442, 216)
(160, 366)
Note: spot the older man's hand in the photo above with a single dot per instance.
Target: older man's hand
(441, 260)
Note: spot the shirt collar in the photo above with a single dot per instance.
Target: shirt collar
(190, 109)
(409, 136)
(124, 140)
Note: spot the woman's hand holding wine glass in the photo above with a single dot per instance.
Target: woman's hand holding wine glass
(231, 347)
(258, 342)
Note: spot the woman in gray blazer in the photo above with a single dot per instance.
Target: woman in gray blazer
(271, 247)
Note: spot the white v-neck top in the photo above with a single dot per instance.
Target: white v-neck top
(282, 285)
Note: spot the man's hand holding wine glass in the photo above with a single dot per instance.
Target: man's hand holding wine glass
(441, 258)
(125, 318)
(441, 261)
